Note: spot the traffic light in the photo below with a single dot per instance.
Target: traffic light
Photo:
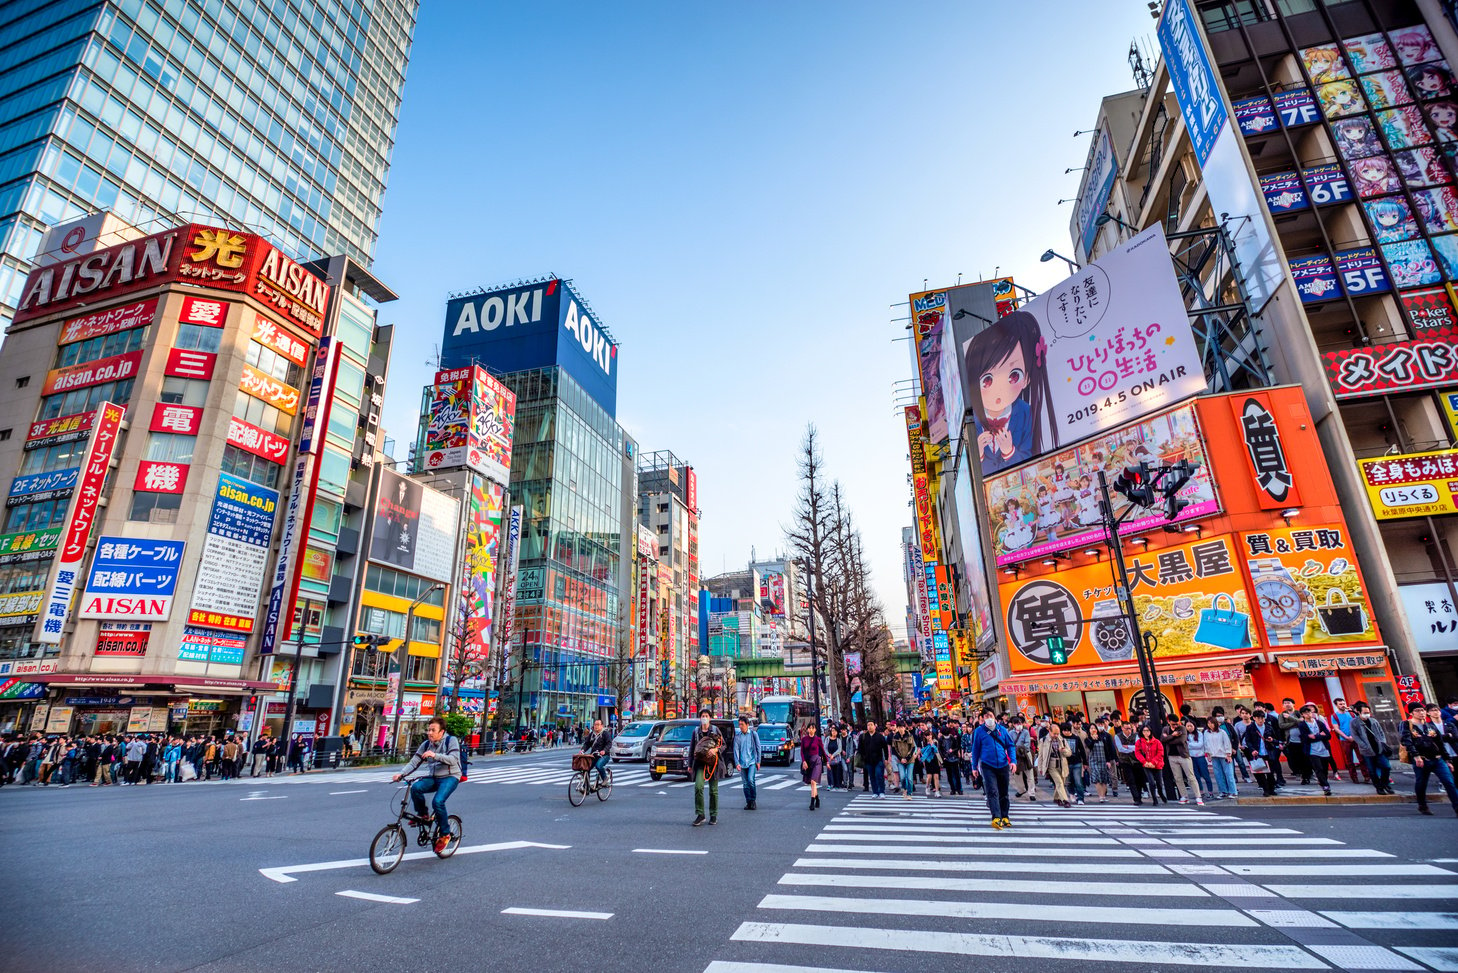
(1135, 484)
(1057, 654)
(371, 641)
(1175, 477)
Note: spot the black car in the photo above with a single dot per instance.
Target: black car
(776, 745)
(669, 753)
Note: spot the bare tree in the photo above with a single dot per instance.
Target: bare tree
(461, 665)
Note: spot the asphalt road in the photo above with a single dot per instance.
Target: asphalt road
(207, 877)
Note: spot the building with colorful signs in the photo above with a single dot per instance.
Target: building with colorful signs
(667, 505)
(573, 473)
(1327, 152)
(180, 561)
(302, 158)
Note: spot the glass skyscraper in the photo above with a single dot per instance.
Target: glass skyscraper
(277, 116)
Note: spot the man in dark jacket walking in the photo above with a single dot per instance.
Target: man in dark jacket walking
(872, 749)
(992, 758)
(706, 755)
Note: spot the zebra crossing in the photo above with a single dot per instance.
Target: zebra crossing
(553, 773)
(923, 884)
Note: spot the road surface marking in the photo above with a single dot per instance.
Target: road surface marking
(1377, 892)
(1292, 853)
(720, 966)
(1133, 954)
(335, 793)
(1365, 956)
(1442, 958)
(1258, 841)
(1035, 912)
(1140, 889)
(1349, 871)
(285, 873)
(557, 913)
(981, 836)
(1395, 920)
(992, 849)
(1040, 868)
(781, 785)
(668, 851)
(374, 897)
(272, 797)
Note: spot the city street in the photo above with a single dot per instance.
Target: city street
(271, 874)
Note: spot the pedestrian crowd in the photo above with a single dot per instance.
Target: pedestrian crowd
(127, 759)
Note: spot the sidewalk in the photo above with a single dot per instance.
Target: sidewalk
(1345, 792)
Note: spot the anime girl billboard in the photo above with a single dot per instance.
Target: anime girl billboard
(1106, 346)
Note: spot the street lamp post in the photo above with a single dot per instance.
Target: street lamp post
(405, 644)
(1051, 254)
(288, 725)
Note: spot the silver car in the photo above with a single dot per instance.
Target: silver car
(633, 740)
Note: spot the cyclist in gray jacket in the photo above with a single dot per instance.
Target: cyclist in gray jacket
(440, 753)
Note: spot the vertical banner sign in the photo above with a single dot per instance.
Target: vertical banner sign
(483, 546)
(302, 486)
(508, 587)
(78, 522)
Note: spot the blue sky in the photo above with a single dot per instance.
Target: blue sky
(742, 191)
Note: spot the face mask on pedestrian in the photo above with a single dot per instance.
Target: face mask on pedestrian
(989, 722)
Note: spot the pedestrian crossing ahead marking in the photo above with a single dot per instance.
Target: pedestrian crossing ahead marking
(894, 884)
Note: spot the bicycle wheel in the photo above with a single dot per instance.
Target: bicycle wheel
(605, 789)
(577, 789)
(388, 848)
(455, 842)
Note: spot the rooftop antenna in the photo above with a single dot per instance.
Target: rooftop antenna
(1142, 75)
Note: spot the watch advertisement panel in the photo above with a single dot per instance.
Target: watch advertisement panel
(1106, 346)
(1191, 597)
(1306, 586)
(1052, 505)
(1412, 484)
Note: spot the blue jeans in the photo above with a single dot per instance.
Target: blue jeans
(1438, 767)
(1224, 775)
(877, 774)
(600, 765)
(907, 770)
(749, 773)
(1075, 779)
(995, 787)
(1379, 769)
(1202, 774)
(443, 787)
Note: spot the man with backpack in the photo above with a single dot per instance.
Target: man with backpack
(442, 752)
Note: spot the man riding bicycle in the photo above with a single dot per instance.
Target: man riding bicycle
(443, 753)
(599, 743)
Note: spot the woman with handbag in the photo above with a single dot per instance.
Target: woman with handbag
(835, 749)
(1258, 755)
(931, 764)
(1150, 754)
(812, 762)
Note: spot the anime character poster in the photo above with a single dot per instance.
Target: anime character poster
(1107, 345)
(1414, 45)
(1421, 167)
(1438, 208)
(1412, 264)
(930, 356)
(1356, 138)
(1340, 98)
(1443, 117)
(1369, 52)
(1391, 219)
(1375, 176)
(1386, 89)
(1431, 81)
(1403, 128)
(1324, 63)
(1446, 248)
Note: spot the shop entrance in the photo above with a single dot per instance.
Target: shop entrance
(101, 721)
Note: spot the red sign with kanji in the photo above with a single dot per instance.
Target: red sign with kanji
(190, 364)
(259, 442)
(183, 419)
(155, 477)
(205, 311)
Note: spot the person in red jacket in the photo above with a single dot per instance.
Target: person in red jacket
(1149, 752)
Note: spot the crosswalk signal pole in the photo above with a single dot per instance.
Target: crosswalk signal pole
(1142, 651)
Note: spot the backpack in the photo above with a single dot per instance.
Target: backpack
(461, 752)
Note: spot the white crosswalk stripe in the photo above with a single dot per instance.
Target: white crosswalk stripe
(888, 880)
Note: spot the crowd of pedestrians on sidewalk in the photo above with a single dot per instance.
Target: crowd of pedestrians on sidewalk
(130, 759)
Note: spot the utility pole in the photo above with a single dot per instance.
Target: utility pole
(1143, 652)
(288, 724)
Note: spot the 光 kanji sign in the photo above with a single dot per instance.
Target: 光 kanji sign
(78, 522)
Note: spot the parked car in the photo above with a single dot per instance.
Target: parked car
(776, 745)
(633, 740)
(669, 753)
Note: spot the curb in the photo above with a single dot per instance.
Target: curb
(1323, 799)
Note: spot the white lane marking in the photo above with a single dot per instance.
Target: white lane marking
(556, 913)
(1395, 920)
(1252, 842)
(272, 797)
(1030, 912)
(1291, 919)
(336, 793)
(1363, 957)
(993, 849)
(1140, 889)
(964, 838)
(374, 897)
(668, 851)
(1350, 871)
(782, 785)
(960, 828)
(285, 873)
(1040, 868)
(1441, 958)
(1219, 829)
(1136, 955)
(1376, 892)
(1292, 853)
(720, 966)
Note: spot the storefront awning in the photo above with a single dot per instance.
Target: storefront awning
(155, 682)
(1126, 676)
(1306, 662)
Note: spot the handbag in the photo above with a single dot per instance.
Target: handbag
(1225, 628)
(187, 773)
(1342, 618)
(1258, 765)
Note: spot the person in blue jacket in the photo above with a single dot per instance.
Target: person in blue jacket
(992, 756)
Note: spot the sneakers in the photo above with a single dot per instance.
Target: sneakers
(997, 824)
(442, 843)
(1199, 802)
(1184, 800)
(1006, 823)
(698, 820)
(714, 819)
(1080, 802)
